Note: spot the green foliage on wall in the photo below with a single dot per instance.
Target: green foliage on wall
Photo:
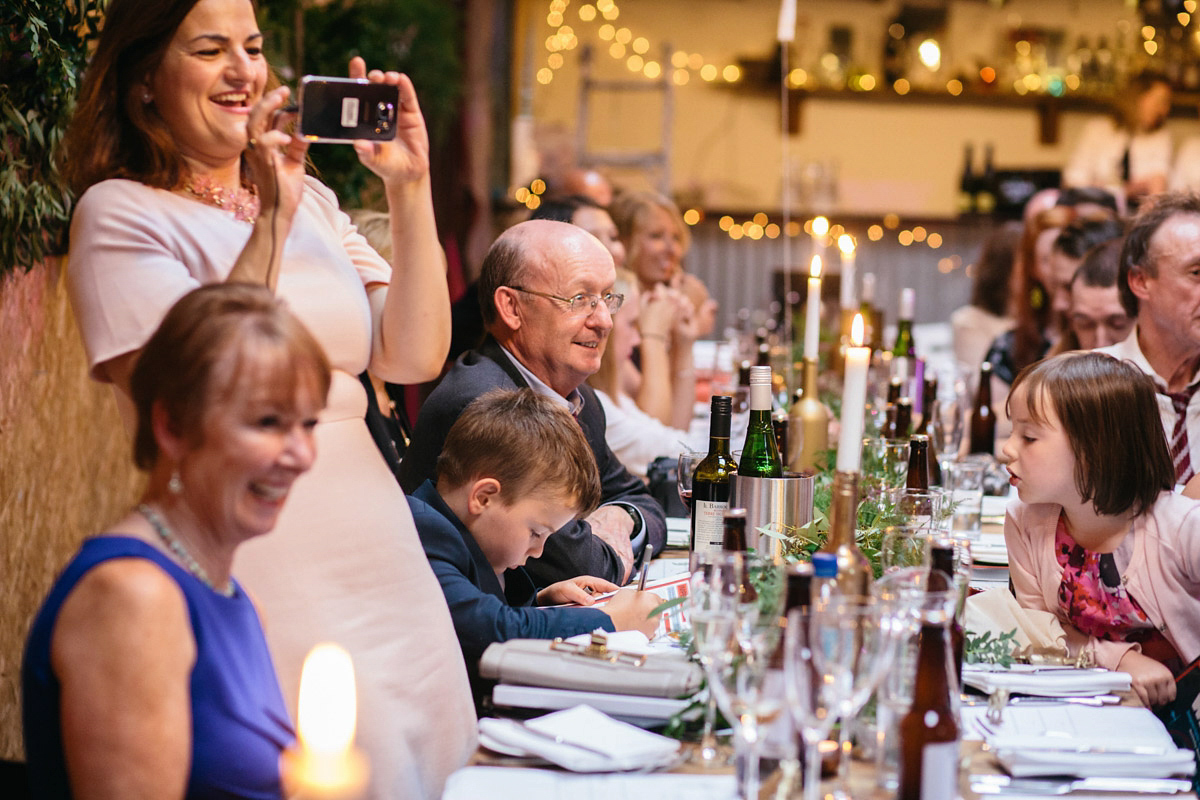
(43, 48)
(417, 37)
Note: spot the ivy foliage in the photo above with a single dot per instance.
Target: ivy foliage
(417, 37)
(43, 50)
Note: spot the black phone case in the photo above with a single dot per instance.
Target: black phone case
(345, 109)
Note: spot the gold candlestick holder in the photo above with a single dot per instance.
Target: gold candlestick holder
(811, 424)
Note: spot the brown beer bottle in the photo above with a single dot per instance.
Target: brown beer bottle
(983, 419)
(942, 553)
(929, 733)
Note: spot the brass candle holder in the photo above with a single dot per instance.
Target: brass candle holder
(810, 424)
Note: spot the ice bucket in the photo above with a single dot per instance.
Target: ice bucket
(772, 503)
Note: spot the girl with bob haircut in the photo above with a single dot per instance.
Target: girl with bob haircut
(1097, 536)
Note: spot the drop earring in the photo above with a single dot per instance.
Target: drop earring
(175, 485)
(146, 98)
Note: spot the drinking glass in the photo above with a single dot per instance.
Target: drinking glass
(906, 593)
(685, 471)
(712, 609)
(863, 632)
(964, 481)
(925, 509)
(814, 665)
(738, 648)
(884, 467)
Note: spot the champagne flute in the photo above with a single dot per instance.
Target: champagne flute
(810, 673)
(712, 607)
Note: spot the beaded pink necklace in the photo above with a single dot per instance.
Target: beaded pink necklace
(242, 202)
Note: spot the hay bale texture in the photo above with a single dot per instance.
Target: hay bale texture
(65, 465)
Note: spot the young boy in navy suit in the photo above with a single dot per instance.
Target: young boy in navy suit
(515, 468)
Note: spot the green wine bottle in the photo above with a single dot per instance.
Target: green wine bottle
(760, 453)
(710, 482)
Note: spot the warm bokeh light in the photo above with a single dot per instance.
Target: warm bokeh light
(793, 228)
(652, 69)
(930, 54)
(521, 195)
(606, 32)
(695, 61)
(554, 19)
(760, 218)
(635, 63)
(901, 86)
(954, 87)
(732, 73)
(905, 238)
(624, 35)
(1151, 47)
(327, 706)
(692, 216)
(797, 77)
(754, 231)
(708, 72)
(533, 202)
(736, 232)
(681, 77)
(725, 223)
(545, 75)
(875, 233)
(538, 186)
(1148, 32)
(587, 12)
(820, 226)
(640, 45)
(866, 83)
(554, 60)
(891, 221)
(1072, 81)
(919, 233)
(987, 74)
(1023, 48)
(814, 267)
(846, 243)
(679, 59)
(616, 50)
(772, 231)
(934, 240)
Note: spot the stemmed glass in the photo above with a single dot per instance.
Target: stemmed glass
(685, 471)
(861, 633)
(814, 665)
(736, 648)
(712, 609)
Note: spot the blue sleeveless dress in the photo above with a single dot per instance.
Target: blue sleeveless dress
(239, 722)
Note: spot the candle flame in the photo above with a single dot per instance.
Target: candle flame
(326, 712)
(846, 244)
(856, 331)
(814, 269)
(820, 226)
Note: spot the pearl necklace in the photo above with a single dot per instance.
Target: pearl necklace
(242, 202)
(176, 547)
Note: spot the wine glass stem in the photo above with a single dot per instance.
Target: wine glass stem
(708, 739)
(843, 770)
(747, 758)
(812, 770)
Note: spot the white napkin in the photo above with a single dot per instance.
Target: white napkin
(581, 739)
(1061, 739)
(1046, 681)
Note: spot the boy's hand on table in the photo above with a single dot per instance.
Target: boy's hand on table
(582, 590)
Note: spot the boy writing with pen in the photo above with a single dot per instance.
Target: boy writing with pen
(514, 469)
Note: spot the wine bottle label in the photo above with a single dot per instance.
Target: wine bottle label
(708, 523)
(939, 771)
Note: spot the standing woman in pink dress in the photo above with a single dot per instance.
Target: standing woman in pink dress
(187, 177)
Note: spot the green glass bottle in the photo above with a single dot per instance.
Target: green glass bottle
(760, 453)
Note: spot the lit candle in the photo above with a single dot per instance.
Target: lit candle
(327, 765)
(820, 227)
(846, 245)
(854, 400)
(812, 319)
(787, 21)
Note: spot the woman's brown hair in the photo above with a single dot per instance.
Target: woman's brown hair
(1107, 409)
(203, 351)
(114, 132)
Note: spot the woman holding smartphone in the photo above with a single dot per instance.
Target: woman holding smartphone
(186, 176)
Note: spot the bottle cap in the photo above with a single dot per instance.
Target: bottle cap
(908, 303)
(760, 376)
(824, 565)
(735, 513)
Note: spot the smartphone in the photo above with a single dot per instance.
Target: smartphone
(345, 109)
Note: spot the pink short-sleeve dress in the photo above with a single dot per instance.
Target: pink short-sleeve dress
(344, 563)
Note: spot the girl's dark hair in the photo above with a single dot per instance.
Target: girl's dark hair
(1107, 409)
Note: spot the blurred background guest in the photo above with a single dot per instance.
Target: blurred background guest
(1066, 254)
(186, 177)
(586, 213)
(1129, 154)
(987, 316)
(1095, 316)
(146, 671)
(637, 438)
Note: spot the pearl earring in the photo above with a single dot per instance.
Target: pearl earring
(175, 485)
(146, 98)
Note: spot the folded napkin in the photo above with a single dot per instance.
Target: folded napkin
(1039, 633)
(1062, 739)
(580, 739)
(1046, 681)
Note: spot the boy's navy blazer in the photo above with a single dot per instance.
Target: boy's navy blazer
(573, 550)
(482, 611)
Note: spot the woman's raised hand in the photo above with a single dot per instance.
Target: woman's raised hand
(405, 158)
(274, 156)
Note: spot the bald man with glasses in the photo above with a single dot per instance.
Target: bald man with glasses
(546, 293)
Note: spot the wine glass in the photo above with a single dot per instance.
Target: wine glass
(860, 632)
(739, 648)
(685, 471)
(810, 672)
(712, 609)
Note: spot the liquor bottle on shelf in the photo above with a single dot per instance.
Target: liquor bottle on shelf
(942, 559)
(854, 575)
(966, 182)
(760, 454)
(929, 734)
(710, 486)
(985, 192)
(983, 419)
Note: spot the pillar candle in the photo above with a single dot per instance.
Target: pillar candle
(812, 319)
(846, 245)
(854, 400)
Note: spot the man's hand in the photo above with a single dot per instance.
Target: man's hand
(581, 591)
(614, 525)
(1152, 681)
(630, 611)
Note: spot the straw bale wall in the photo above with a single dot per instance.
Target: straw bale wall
(65, 465)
